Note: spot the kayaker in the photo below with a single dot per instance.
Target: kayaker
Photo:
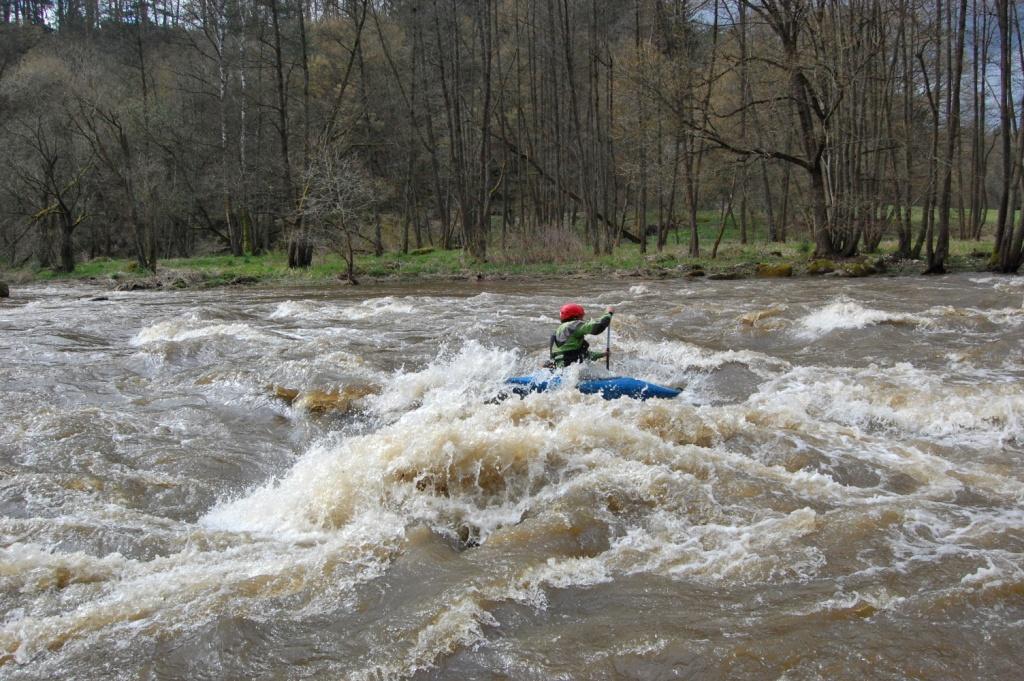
(568, 343)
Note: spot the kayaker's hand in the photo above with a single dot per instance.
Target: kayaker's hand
(610, 310)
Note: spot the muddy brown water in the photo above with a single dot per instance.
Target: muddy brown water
(837, 494)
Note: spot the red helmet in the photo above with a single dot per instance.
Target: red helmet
(571, 311)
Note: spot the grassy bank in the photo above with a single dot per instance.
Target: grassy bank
(734, 260)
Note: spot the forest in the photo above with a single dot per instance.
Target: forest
(550, 129)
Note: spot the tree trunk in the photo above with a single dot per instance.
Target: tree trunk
(1001, 256)
(955, 65)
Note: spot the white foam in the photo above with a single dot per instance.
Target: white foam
(999, 570)
(375, 307)
(765, 550)
(642, 648)
(460, 625)
(842, 601)
(298, 309)
(847, 314)
(1010, 316)
(685, 357)
(180, 330)
(464, 377)
(565, 573)
(1003, 284)
(29, 568)
(336, 312)
(183, 590)
(902, 397)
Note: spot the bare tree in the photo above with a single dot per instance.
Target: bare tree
(50, 166)
(1009, 246)
(954, 74)
(337, 197)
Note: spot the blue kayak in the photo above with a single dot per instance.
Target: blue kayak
(610, 388)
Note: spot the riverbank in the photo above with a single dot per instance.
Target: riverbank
(734, 261)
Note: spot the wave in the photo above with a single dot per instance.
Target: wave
(902, 397)
(337, 312)
(847, 314)
(186, 589)
(30, 568)
(376, 307)
(300, 309)
(183, 330)
(684, 357)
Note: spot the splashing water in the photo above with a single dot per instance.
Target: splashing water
(834, 495)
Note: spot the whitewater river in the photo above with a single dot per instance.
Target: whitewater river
(838, 493)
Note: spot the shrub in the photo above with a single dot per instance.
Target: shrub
(545, 244)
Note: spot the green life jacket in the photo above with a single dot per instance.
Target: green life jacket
(569, 344)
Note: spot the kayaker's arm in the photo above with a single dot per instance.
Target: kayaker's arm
(595, 327)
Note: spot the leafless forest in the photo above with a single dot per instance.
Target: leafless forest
(172, 127)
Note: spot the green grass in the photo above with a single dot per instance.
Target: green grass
(991, 215)
(273, 267)
(98, 267)
(407, 264)
(326, 266)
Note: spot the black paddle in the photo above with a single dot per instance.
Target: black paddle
(608, 348)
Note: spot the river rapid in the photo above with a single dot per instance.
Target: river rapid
(838, 493)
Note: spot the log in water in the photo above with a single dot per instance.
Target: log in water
(836, 494)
